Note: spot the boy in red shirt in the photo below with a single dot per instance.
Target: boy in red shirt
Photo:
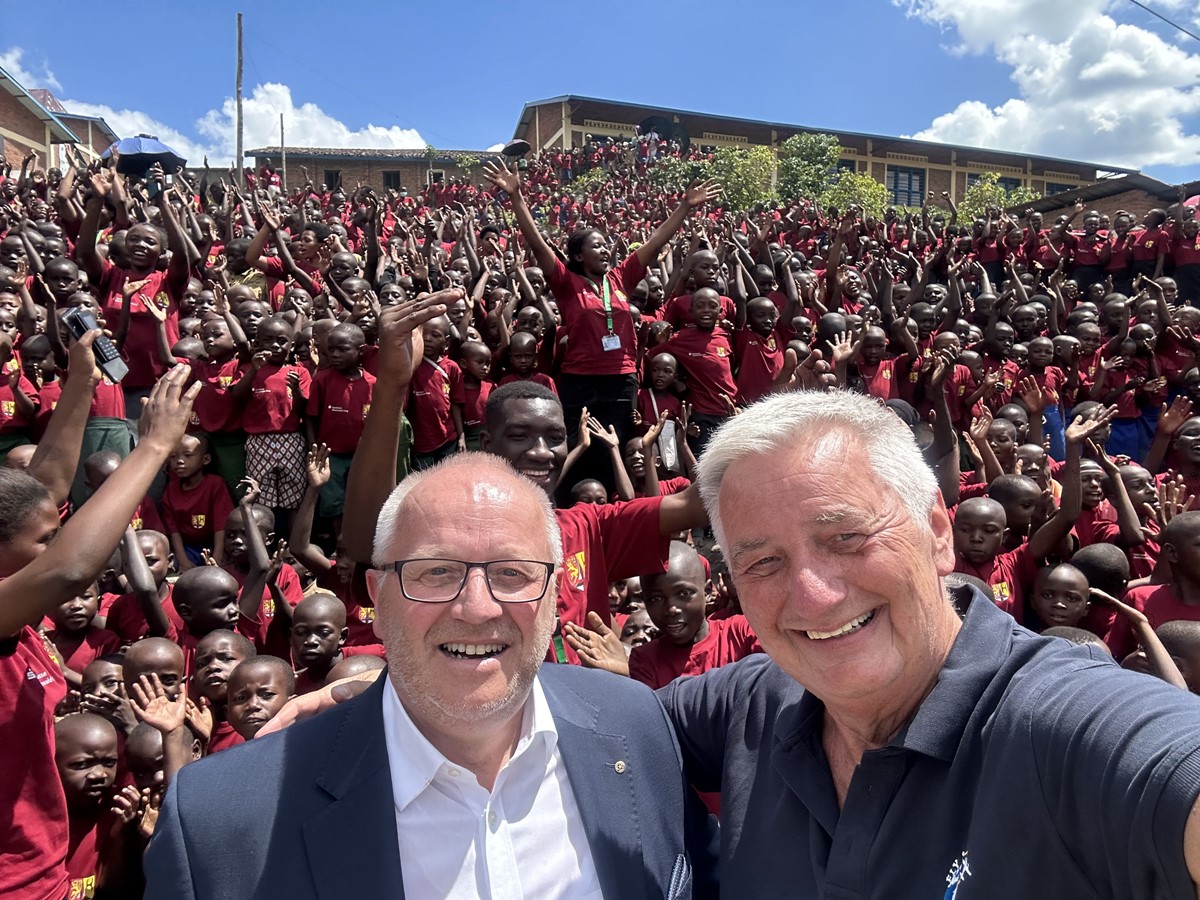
(436, 400)
(476, 362)
(522, 359)
(658, 398)
(18, 405)
(147, 609)
(757, 349)
(688, 643)
(86, 755)
(195, 504)
(76, 639)
(338, 404)
(318, 634)
(217, 654)
(258, 689)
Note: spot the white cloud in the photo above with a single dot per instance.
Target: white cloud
(11, 62)
(495, 148)
(1088, 87)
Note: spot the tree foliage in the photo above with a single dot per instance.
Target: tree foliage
(806, 164)
(987, 193)
(862, 190)
(744, 173)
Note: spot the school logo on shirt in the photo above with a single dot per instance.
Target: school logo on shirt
(366, 614)
(721, 352)
(198, 520)
(576, 567)
(1001, 593)
(268, 608)
(960, 871)
(771, 343)
(82, 888)
(366, 409)
(446, 388)
(914, 376)
(887, 374)
(136, 523)
(12, 365)
(9, 407)
(225, 380)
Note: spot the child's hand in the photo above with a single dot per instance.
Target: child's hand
(152, 803)
(685, 421)
(199, 719)
(978, 431)
(1171, 418)
(598, 646)
(125, 805)
(651, 437)
(1131, 614)
(293, 380)
(1082, 429)
(1031, 394)
(154, 706)
(206, 558)
(253, 490)
(606, 436)
(260, 359)
(318, 466)
(1173, 499)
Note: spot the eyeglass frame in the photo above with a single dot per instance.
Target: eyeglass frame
(398, 564)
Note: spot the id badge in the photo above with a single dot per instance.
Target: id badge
(611, 342)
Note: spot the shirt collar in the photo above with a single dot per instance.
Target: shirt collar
(415, 763)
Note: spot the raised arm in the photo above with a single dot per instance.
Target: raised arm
(510, 182)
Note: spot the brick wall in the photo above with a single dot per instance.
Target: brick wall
(1136, 202)
(31, 131)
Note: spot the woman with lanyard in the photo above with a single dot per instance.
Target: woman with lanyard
(599, 368)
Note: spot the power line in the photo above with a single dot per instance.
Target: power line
(1158, 15)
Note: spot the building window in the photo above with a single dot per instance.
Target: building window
(437, 176)
(906, 185)
(391, 181)
(333, 177)
(1008, 185)
(1055, 187)
(846, 165)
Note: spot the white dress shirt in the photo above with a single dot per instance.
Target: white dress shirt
(524, 839)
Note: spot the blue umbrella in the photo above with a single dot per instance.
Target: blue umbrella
(139, 154)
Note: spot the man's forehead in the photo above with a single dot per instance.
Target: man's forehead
(533, 411)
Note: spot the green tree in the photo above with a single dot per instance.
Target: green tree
(852, 188)
(988, 192)
(745, 174)
(806, 162)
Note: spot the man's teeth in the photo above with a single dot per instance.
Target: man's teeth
(852, 625)
(536, 473)
(472, 649)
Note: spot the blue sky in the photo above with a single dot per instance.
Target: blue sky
(402, 74)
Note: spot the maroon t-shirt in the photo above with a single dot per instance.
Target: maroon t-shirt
(197, 514)
(141, 341)
(215, 408)
(580, 301)
(435, 387)
(760, 360)
(707, 358)
(661, 661)
(1160, 603)
(125, 617)
(273, 405)
(340, 404)
(1009, 575)
(80, 651)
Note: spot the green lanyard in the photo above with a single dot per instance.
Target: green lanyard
(607, 300)
(560, 652)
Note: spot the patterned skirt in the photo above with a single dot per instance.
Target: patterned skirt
(277, 461)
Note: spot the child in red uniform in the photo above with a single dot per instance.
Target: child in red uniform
(195, 504)
(337, 406)
(76, 639)
(217, 655)
(238, 563)
(436, 400)
(275, 394)
(209, 599)
(86, 756)
(1059, 598)
(706, 355)
(881, 377)
(758, 350)
(476, 362)
(522, 359)
(318, 633)
(258, 689)
(1052, 382)
(658, 398)
(688, 643)
(1177, 599)
(18, 401)
(96, 470)
(147, 608)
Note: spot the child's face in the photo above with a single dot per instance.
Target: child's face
(435, 335)
(250, 314)
(188, 458)
(217, 655)
(477, 362)
(75, 615)
(276, 339)
(218, 342)
(675, 601)
(1139, 484)
(1002, 436)
(706, 309)
(344, 351)
(662, 372)
(1041, 353)
(316, 639)
(1060, 597)
(158, 556)
(1033, 464)
(761, 317)
(874, 345)
(1019, 510)
(8, 322)
(523, 357)
(87, 764)
(101, 679)
(1092, 482)
(1187, 442)
(144, 759)
(978, 531)
(638, 629)
(592, 492)
(256, 695)
(530, 319)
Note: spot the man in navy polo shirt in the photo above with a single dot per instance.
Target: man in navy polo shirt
(932, 751)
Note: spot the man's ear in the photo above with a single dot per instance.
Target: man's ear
(943, 537)
(485, 440)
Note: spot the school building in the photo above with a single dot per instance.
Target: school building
(399, 170)
(909, 168)
(35, 120)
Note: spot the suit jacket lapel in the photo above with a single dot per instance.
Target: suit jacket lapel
(605, 796)
(362, 814)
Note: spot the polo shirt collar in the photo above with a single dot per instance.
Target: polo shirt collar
(415, 763)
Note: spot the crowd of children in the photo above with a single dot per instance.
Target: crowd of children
(171, 554)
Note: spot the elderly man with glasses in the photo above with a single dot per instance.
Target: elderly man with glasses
(471, 770)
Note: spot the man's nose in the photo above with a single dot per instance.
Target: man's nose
(812, 590)
(475, 602)
(541, 450)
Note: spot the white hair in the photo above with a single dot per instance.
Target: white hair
(784, 419)
(490, 474)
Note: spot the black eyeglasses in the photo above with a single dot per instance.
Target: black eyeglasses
(442, 580)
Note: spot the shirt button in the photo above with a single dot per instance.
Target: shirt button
(492, 818)
(619, 767)
(454, 773)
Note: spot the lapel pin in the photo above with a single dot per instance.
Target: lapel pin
(619, 767)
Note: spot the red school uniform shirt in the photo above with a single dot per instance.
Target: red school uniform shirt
(1148, 243)
(651, 404)
(215, 408)
(223, 737)
(11, 418)
(126, 619)
(1009, 575)
(141, 341)
(83, 856)
(273, 406)
(677, 312)
(436, 387)
(274, 269)
(146, 517)
(661, 661)
(1143, 557)
(707, 358)
(1008, 377)
(960, 385)
(1093, 523)
(476, 403)
(1185, 251)
(340, 404)
(267, 639)
(601, 544)
(80, 651)
(759, 360)
(537, 378)
(47, 402)
(196, 514)
(883, 380)
(1051, 381)
(1160, 603)
(108, 402)
(580, 301)
(360, 609)
(33, 843)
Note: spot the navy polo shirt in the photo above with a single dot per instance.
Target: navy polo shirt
(1034, 769)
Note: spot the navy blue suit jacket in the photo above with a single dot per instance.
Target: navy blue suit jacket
(309, 812)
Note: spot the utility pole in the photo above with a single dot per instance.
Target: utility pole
(240, 174)
(283, 154)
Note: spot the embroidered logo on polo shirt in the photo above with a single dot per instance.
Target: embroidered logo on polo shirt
(576, 567)
(960, 871)
(82, 888)
(366, 614)
(8, 406)
(1001, 592)
(198, 520)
